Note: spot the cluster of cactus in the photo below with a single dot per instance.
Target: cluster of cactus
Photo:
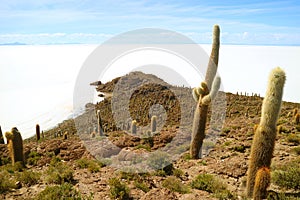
(265, 134)
(1, 137)
(204, 95)
(15, 146)
(296, 117)
(38, 132)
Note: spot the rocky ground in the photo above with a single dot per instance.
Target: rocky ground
(226, 157)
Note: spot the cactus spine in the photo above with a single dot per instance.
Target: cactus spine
(15, 146)
(133, 127)
(205, 95)
(38, 132)
(265, 134)
(100, 127)
(262, 182)
(1, 137)
(153, 124)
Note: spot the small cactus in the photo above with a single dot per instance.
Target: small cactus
(15, 146)
(1, 137)
(65, 135)
(297, 119)
(38, 132)
(153, 124)
(295, 112)
(100, 127)
(265, 134)
(262, 182)
(133, 127)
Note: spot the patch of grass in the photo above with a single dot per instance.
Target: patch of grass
(297, 150)
(186, 156)
(173, 184)
(240, 148)
(61, 192)
(177, 172)
(33, 158)
(59, 173)
(7, 182)
(28, 177)
(211, 184)
(91, 165)
(287, 176)
(142, 186)
(293, 138)
(225, 130)
(118, 190)
(4, 161)
(142, 146)
(227, 143)
(202, 162)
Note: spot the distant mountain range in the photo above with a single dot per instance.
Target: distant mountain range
(12, 44)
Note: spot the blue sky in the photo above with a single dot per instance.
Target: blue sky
(90, 21)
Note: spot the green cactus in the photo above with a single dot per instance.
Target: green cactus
(265, 134)
(262, 182)
(1, 137)
(38, 132)
(153, 123)
(15, 146)
(204, 95)
(100, 127)
(133, 127)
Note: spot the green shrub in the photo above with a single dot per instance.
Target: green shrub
(7, 182)
(28, 177)
(142, 146)
(118, 190)
(173, 184)
(297, 150)
(59, 173)
(287, 176)
(293, 138)
(33, 158)
(142, 186)
(205, 182)
(158, 160)
(60, 192)
(177, 172)
(240, 149)
(211, 184)
(91, 165)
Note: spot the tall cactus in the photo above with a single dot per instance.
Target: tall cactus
(38, 132)
(153, 124)
(265, 134)
(15, 146)
(1, 137)
(99, 121)
(204, 95)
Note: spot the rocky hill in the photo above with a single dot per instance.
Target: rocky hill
(66, 165)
